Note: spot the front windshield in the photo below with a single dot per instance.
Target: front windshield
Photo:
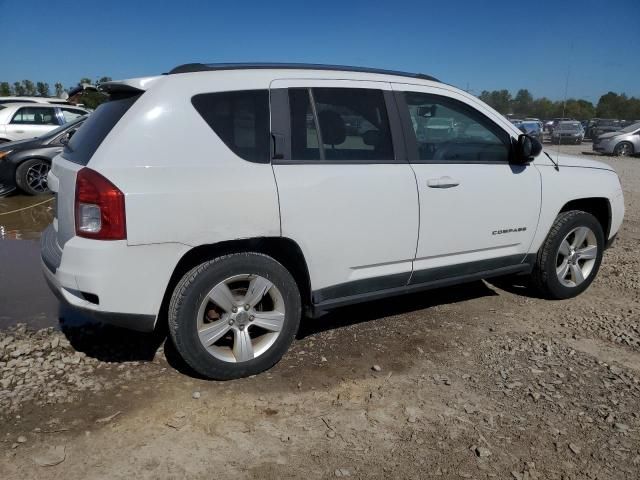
(569, 126)
(631, 128)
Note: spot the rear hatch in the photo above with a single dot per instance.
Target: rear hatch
(82, 146)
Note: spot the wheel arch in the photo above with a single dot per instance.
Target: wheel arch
(599, 207)
(282, 249)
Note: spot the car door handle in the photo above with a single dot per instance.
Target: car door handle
(19, 131)
(442, 182)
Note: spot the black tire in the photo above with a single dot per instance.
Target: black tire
(31, 176)
(190, 292)
(544, 276)
(623, 148)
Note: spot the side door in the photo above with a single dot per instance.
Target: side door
(478, 212)
(30, 122)
(347, 194)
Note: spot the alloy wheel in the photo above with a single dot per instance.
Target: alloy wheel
(576, 256)
(36, 177)
(241, 318)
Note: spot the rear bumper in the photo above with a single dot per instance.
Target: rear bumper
(109, 280)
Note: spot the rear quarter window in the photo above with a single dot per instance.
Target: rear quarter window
(95, 129)
(240, 119)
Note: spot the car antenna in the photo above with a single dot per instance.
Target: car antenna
(556, 163)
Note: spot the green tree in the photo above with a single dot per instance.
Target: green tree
(43, 89)
(84, 80)
(29, 88)
(5, 89)
(18, 89)
(610, 105)
(498, 99)
(59, 89)
(103, 80)
(541, 108)
(523, 102)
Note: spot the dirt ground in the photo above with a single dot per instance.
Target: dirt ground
(477, 381)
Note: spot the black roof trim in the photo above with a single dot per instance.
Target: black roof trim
(208, 67)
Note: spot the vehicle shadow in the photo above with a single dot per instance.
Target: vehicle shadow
(108, 343)
(113, 344)
(516, 284)
(365, 312)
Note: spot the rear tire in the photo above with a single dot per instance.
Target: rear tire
(31, 176)
(570, 257)
(249, 326)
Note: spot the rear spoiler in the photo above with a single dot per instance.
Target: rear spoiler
(131, 85)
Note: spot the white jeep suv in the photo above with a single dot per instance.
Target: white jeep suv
(229, 199)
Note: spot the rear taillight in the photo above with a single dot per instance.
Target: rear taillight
(99, 207)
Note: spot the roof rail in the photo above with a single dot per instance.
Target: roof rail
(208, 67)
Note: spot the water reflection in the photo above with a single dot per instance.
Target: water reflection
(23, 217)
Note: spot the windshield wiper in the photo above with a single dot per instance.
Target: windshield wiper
(555, 164)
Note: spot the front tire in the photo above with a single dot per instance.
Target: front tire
(234, 316)
(623, 149)
(570, 257)
(31, 176)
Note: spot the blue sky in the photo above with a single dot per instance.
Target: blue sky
(476, 44)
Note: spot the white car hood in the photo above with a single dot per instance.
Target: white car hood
(564, 160)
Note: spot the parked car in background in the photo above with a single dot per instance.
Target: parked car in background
(305, 218)
(603, 125)
(20, 121)
(553, 123)
(567, 132)
(26, 163)
(49, 100)
(537, 120)
(623, 142)
(532, 129)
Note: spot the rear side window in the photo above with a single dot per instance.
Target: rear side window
(35, 116)
(95, 129)
(70, 114)
(348, 124)
(240, 119)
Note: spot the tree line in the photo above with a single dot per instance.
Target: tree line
(28, 88)
(610, 105)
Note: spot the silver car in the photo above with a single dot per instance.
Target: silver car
(623, 142)
(567, 132)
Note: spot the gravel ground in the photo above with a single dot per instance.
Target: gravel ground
(477, 381)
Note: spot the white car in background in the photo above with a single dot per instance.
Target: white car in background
(21, 121)
(230, 199)
(49, 100)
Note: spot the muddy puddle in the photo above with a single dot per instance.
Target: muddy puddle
(23, 217)
(24, 295)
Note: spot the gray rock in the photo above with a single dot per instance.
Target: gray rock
(50, 457)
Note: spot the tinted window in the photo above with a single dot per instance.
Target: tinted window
(240, 119)
(35, 116)
(87, 139)
(353, 124)
(304, 134)
(448, 130)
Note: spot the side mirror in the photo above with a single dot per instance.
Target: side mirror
(526, 148)
(65, 139)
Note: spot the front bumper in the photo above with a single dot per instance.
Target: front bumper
(109, 280)
(603, 147)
